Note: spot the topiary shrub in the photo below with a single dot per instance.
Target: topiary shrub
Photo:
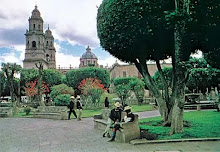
(62, 100)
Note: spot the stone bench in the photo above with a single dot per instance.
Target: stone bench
(129, 132)
(6, 111)
(52, 112)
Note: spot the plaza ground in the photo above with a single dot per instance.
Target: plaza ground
(46, 135)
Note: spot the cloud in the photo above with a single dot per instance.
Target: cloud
(64, 61)
(73, 24)
(10, 37)
(110, 61)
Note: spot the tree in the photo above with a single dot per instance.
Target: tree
(137, 86)
(2, 84)
(61, 89)
(137, 31)
(167, 75)
(91, 88)
(51, 77)
(39, 66)
(28, 75)
(31, 89)
(10, 69)
(74, 77)
(123, 80)
(132, 83)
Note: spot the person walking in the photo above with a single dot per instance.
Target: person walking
(114, 115)
(79, 107)
(71, 107)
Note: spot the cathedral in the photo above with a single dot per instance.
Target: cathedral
(88, 59)
(39, 45)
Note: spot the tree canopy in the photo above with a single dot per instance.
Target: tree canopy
(74, 77)
(51, 77)
(137, 31)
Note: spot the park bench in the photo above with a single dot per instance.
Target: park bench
(6, 111)
(129, 132)
(51, 112)
(202, 105)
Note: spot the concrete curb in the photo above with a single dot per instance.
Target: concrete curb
(144, 141)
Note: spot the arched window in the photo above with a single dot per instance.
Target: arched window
(34, 26)
(47, 42)
(39, 27)
(47, 57)
(51, 44)
(33, 44)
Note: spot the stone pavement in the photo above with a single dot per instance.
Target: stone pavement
(46, 135)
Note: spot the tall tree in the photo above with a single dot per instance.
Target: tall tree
(10, 69)
(137, 31)
(2, 83)
(39, 83)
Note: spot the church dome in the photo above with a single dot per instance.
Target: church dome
(35, 13)
(88, 54)
(48, 32)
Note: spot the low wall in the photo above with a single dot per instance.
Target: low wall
(52, 112)
(6, 111)
(129, 132)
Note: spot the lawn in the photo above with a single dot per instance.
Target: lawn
(201, 124)
(23, 114)
(135, 108)
(90, 113)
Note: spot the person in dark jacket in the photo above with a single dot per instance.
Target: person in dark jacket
(106, 102)
(114, 115)
(71, 107)
(79, 107)
(129, 117)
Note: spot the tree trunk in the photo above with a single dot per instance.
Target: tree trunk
(142, 67)
(177, 118)
(178, 95)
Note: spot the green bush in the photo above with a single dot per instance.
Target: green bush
(61, 89)
(27, 110)
(62, 100)
(74, 77)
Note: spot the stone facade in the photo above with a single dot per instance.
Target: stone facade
(88, 59)
(39, 45)
(131, 70)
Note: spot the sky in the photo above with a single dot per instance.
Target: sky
(72, 22)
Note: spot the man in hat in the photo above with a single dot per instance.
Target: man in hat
(129, 117)
(79, 107)
(71, 107)
(115, 115)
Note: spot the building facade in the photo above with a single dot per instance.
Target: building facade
(88, 59)
(131, 70)
(39, 45)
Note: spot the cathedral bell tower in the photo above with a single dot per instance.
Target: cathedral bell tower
(39, 46)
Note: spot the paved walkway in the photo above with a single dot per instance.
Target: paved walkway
(46, 135)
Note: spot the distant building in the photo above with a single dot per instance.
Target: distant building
(39, 45)
(130, 70)
(88, 59)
